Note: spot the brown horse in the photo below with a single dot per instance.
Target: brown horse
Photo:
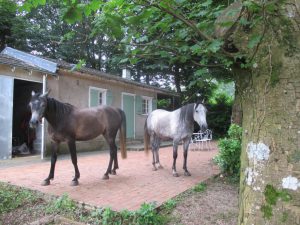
(70, 124)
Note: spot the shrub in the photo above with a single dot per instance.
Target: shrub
(228, 158)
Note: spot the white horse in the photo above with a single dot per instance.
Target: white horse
(176, 125)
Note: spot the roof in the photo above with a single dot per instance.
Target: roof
(69, 66)
(11, 61)
(35, 64)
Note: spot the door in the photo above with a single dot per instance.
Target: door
(6, 114)
(128, 107)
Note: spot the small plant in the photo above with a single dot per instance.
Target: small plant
(148, 215)
(228, 158)
(127, 216)
(13, 197)
(200, 187)
(63, 204)
(108, 216)
(170, 204)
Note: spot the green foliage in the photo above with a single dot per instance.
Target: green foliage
(267, 211)
(62, 204)
(170, 204)
(228, 158)
(148, 215)
(163, 103)
(272, 195)
(108, 216)
(219, 114)
(201, 187)
(13, 197)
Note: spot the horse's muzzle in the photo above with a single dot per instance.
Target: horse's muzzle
(203, 127)
(33, 123)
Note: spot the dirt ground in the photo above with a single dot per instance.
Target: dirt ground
(217, 205)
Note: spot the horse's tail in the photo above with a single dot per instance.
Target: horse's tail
(123, 135)
(146, 137)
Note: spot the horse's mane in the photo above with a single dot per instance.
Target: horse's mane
(187, 114)
(58, 110)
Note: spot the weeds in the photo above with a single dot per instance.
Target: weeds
(200, 187)
(12, 197)
(63, 204)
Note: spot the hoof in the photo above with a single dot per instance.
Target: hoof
(113, 172)
(45, 183)
(160, 167)
(154, 169)
(175, 174)
(74, 183)
(187, 173)
(105, 177)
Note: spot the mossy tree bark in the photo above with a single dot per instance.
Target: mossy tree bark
(269, 93)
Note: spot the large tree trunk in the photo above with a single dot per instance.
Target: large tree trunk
(270, 160)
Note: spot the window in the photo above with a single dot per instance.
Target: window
(97, 96)
(146, 105)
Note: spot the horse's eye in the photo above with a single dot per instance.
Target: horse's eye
(196, 111)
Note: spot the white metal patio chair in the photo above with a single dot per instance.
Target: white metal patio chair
(202, 139)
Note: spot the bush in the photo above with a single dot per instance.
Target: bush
(228, 158)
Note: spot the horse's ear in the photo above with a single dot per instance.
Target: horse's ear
(203, 101)
(32, 93)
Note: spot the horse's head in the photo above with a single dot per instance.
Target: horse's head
(200, 115)
(38, 104)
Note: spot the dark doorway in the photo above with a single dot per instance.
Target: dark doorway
(26, 141)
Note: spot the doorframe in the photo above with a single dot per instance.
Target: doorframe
(122, 106)
(44, 88)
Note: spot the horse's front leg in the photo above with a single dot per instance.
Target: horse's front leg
(186, 143)
(54, 149)
(175, 148)
(108, 171)
(112, 157)
(72, 148)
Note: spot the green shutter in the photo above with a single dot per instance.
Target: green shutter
(154, 104)
(109, 97)
(138, 104)
(94, 97)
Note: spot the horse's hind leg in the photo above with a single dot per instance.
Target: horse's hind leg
(154, 148)
(112, 157)
(54, 149)
(72, 148)
(159, 166)
(115, 159)
(185, 153)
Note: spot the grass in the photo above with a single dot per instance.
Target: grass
(12, 197)
(201, 187)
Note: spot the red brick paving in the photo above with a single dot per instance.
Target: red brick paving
(134, 183)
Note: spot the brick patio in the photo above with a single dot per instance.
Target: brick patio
(134, 183)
